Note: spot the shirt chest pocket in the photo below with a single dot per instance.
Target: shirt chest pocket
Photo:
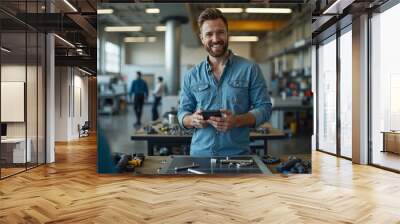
(203, 95)
(238, 94)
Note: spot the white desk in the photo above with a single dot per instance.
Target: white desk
(17, 145)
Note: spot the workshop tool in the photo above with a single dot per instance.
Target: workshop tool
(195, 171)
(244, 161)
(130, 168)
(122, 163)
(294, 165)
(287, 166)
(270, 159)
(180, 168)
(137, 160)
(139, 155)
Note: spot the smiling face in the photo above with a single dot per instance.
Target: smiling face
(214, 36)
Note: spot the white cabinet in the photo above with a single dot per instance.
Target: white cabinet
(16, 147)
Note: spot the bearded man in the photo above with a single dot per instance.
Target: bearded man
(226, 82)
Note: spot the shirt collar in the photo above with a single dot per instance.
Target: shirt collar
(228, 62)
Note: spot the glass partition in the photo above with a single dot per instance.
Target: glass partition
(385, 89)
(41, 91)
(327, 96)
(31, 97)
(14, 152)
(22, 79)
(346, 94)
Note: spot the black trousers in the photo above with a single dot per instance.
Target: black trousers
(138, 102)
(157, 100)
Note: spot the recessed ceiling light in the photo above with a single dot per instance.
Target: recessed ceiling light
(243, 38)
(269, 10)
(160, 28)
(122, 28)
(5, 50)
(65, 41)
(151, 39)
(70, 5)
(231, 10)
(134, 39)
(105, 11)
(152, 10)
(84, 71)
(333, 8)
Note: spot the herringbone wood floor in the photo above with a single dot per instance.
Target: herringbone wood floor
(70, 191)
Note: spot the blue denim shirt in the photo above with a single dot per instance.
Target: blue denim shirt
(139, 86)
(241, 89)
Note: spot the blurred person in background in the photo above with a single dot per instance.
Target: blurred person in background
(140, 91)
(158, 93)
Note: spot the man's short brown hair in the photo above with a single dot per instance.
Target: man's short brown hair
(211, 14)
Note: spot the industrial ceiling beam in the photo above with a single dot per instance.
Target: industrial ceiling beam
(84, 24)
(82, 61)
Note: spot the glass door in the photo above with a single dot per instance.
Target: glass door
(346, 93)
(385, 89)
(326, 82)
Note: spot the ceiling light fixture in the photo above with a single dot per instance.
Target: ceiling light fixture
(84, 71)
(243, 38)
(153, 10)
(122, 28)
(135, 39)
(151, 39)
(269, 10)
(105, 11)
(5, 50)
(337, 7)
(231, 10)
(65, 41)
(160, 28)
(70, 5)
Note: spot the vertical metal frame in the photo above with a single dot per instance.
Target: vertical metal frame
(317, 96)
(369, 77)
(37, 91)
(338, 99)
(0, 90)
(26, 86)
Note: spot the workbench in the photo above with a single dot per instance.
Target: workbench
(159, 165)
(166, 140)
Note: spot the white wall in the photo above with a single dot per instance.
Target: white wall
(14, 73)
(61, 103)
(71, 93)
(33, 126)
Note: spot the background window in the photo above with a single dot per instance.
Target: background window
(112, 57)
(327, 97)
(346, 94)
(385, 84)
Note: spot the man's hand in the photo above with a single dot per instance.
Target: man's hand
(224, 123)
(195, 120)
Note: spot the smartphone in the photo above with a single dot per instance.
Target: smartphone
(211, 113)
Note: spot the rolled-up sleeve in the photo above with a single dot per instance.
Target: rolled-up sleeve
(259, 97)
(187, 104)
